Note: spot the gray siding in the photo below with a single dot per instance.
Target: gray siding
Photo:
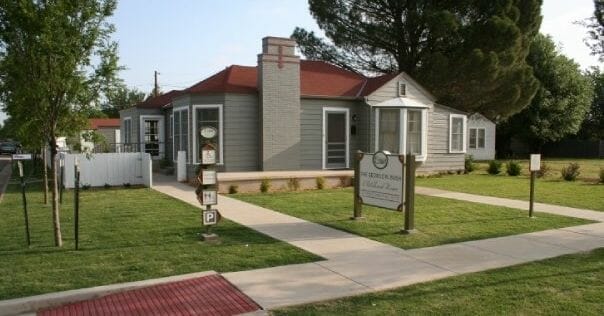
(135, 114)
(241, 132)
(311, 130)
(488, 152)
(439, 158)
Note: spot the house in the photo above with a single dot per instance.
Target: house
(292, 114)
(481, 137)
(109, 131)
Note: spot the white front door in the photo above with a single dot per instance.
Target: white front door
(335, 138)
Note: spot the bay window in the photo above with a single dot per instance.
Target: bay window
(402, 130)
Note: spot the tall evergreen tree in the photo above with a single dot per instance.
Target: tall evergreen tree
(593, 125)
(469, 53)
(57, 59)
(562, 100)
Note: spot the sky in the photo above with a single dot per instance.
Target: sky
(188, 40)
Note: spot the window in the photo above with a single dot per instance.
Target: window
(402, 89)
(477, 137)
(151, 137)
(389, 124)
(127, 131)
(208, 115)
(414, 132)
(457, 127)
(402, 130)
(180, 127)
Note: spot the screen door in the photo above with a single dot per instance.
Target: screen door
(336, 140)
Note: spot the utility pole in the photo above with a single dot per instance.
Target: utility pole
(156, 90)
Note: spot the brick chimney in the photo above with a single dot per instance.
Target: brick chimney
(279, 97)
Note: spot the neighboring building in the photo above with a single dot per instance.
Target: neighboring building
(292, 114)
(481, 137)
(108, 127)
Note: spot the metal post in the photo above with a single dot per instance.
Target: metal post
(25, 214)
(358, 205)
(76, 207)
(533, 173)
(409, 194)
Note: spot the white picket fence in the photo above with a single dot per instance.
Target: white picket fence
(114, 169)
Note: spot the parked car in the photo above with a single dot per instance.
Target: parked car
(8, 148)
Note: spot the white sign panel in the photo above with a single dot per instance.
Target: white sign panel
(208, 198)
(210, 217)
(381, 180)
(208, 156)
(535, 162)
(208, 177)
(22, 157)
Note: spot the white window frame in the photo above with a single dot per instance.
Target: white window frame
(220, 132)
(127, 135)
(464, 137)
(403, 131)
(477, 129)
(160, 130)
(402, 92)
(324, 134)
(180, 109)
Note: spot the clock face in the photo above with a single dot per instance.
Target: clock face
(208, 132)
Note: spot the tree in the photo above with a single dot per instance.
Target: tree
(595, 30)
(56, 60)
(471, 54)
(562, 100)
(122, 98)
(593, 125)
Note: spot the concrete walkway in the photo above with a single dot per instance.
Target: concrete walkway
(357, 265)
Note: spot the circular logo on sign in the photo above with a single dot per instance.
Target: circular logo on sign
(380, 160)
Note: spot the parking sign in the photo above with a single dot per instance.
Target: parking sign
(210, 217)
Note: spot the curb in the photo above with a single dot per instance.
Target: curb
(31, 304)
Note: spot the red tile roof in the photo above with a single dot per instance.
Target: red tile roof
(104, 122)
(317, 78)
(160, 100)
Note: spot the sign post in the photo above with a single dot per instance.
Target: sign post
(76, 206)
(409, 194)
(207, 190)
(384, 180)
(20, 165)
(535, 165)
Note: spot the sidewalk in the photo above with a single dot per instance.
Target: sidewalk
(5, 173)
(357, 265)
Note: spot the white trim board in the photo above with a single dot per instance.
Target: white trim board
(346, 111)
(463, 135)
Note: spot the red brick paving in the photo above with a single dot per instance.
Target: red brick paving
(209, 295)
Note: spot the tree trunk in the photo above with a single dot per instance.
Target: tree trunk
(55, 193)
(45, 171)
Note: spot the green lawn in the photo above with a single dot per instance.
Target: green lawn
(589, 171)
(568, 285)
(578, 194)
(125, 235)
(438, 220)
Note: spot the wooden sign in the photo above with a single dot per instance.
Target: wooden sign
(210, 217)
(381, 180)
(208, 197)
(535, 164)
(207, 177)
(208, 155)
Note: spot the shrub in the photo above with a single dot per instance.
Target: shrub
(494, 167)
(265, 185)
(107, 186)
(293, 184)
(544, 171)
(320, 183)
(127, 185)
(85, 186)
(513, 168)
(233, 189)
(345, 181)
(469, 164)
(601, 175)
(571, 172)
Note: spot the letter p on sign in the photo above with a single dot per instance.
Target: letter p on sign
(210, 217)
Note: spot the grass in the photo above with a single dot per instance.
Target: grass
(125, 235)
(590, 168)
(567, 285)
(585, 193)
(438, 220)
